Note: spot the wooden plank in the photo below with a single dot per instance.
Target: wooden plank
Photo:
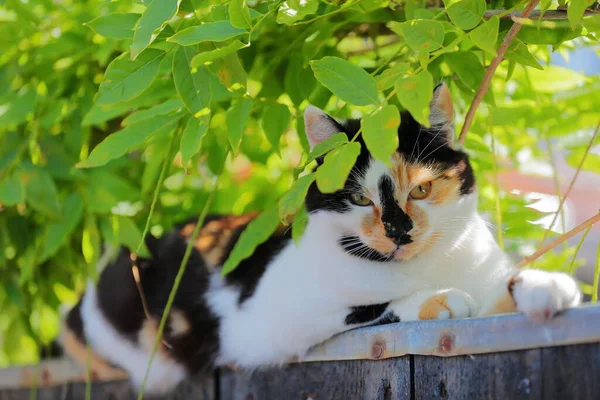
(342, 380)
(110, 390)
(47, 393)
(508, 375)
(460, 337)
(571, 372)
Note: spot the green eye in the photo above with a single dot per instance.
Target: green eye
(360, 200)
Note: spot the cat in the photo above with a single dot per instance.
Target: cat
(397, 243)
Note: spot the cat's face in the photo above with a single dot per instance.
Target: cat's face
(397, 213)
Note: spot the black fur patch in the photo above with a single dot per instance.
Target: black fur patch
(247, 275)
(364, 314)
(396, 222)
(120, 302)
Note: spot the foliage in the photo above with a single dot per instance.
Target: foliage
(93, 93)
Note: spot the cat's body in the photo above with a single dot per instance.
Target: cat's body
(396, 244)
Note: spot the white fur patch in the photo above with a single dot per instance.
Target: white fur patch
(164, 375)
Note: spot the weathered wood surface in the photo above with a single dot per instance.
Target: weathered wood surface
(502, 357)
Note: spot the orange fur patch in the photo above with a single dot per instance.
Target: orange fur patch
(433, 306)
(147, 336)
(179, 323)
(99, 368)
(504, 305)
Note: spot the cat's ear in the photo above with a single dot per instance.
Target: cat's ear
(319, 126)
(441, 113)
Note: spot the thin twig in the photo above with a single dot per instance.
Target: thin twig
(581, 240)
(559, 240)
(564, 198)
(489, 73)
(536, 14)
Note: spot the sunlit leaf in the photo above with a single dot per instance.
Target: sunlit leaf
(380, 132)
(125, 79)
(120, 142)
(388, 77)
(257, 232)
(191, 138)
(207, 56)
(485, 36)
(239, 15)
(151, 23)
(575, 11)
(237, 117)
(466, 14)
(193, 85)
(327, 145)
(415, 93)
(114, 25)
(299, 225)
(209, 32)
(422, 35)
(294, 198)
(292, 11)
(347, 81)
(336, 167)
(274, 122)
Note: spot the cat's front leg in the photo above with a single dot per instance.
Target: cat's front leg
(434, 304)
(542, 294)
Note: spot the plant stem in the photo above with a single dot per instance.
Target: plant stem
(596, 276)
(182, 268)
(559, 240)
(588, 229)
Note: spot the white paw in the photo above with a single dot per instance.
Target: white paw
(461, 304)
(541, 294)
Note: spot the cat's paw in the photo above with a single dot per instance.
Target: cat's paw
(448, 304)
(541, 294)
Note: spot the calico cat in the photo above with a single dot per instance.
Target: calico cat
(395, 244)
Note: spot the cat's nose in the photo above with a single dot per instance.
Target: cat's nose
(398, 236)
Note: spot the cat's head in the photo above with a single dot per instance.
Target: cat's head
(397, 213)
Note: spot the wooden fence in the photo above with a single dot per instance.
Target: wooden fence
(501, 357)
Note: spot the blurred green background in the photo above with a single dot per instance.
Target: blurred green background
(254, 79)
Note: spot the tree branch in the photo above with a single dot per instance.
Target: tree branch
(489, 73)
(536, 14)
(559, 240)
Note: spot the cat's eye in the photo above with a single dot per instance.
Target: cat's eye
(421, 192)
(360, 200)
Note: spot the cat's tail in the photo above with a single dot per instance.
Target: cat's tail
(73, 341)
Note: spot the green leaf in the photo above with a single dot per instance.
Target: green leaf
(114, 25)
(575, 11)
(18, 108)
(332, 175)
(257, 232)
(347, 81)
(299, 225)
(12, 190)
(592, 24)
(90, 241)
(239, 14)
(485, 36)
(387, 78)
(192, 136)
(229, 70)
(415, 93)
(327, 145)
(518, 51)
(151, 23)
(466, 14)
(299, 81)
(380, 132)
(468, 68)
(57, 233)
(125, 79)
(237, 118)
(422, 35)
(41, 193)
(128, 234)
(208, 32)
(295, 10)
(211, 55)
(120, 142)
(168, 107)
(293, 199)
(591, 163)
(275, 121)
(193, 86)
